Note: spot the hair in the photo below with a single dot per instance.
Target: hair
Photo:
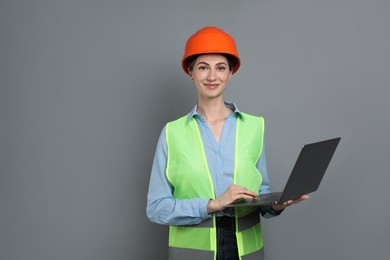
(190, 61)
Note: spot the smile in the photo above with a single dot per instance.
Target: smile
(211, 86)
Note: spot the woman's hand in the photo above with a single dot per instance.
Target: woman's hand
(279, 207)
(232, 194)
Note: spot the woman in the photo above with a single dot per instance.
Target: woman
(208, 159)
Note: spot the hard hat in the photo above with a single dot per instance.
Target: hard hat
(210, 40)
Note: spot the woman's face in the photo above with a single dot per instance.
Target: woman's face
(211, 75)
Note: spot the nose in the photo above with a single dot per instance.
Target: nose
(211, 75)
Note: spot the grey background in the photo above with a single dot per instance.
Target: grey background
(86, 87)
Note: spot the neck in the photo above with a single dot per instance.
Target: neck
(213, 109)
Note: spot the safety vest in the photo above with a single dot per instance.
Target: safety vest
(188, 172)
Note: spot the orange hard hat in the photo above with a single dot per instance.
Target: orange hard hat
(210, 40)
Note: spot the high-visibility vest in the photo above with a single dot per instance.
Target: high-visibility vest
(188, 172)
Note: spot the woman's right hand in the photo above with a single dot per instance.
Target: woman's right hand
(232, 194)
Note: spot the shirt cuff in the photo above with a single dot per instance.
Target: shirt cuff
(269, 212)
(203, 208)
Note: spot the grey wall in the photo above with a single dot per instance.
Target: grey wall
(86, 86)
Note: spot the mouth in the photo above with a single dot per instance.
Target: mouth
(211, 86)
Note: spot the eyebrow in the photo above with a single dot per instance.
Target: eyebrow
(219, 63)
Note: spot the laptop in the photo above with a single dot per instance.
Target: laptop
(305, 177)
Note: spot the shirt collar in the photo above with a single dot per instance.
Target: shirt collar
(231, 105)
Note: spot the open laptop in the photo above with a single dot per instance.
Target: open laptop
(305, 177)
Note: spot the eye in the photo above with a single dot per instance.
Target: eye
(221, 68)
(202, 67)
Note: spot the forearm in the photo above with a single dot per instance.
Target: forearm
(169, 211)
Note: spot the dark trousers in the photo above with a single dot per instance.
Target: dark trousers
(226, 239)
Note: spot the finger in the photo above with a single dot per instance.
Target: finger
(305, 197)
(249, 192)
(244, 196)
(287, 203)
(246, 192)
(302, 198)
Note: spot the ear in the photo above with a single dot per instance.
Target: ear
(190, 73)
(231, 74)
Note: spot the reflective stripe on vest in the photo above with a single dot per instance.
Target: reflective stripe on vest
(187, 171)
(192, 254)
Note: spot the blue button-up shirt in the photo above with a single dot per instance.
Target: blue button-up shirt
(162, 208)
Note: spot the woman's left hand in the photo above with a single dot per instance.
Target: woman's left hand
(279, 207)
